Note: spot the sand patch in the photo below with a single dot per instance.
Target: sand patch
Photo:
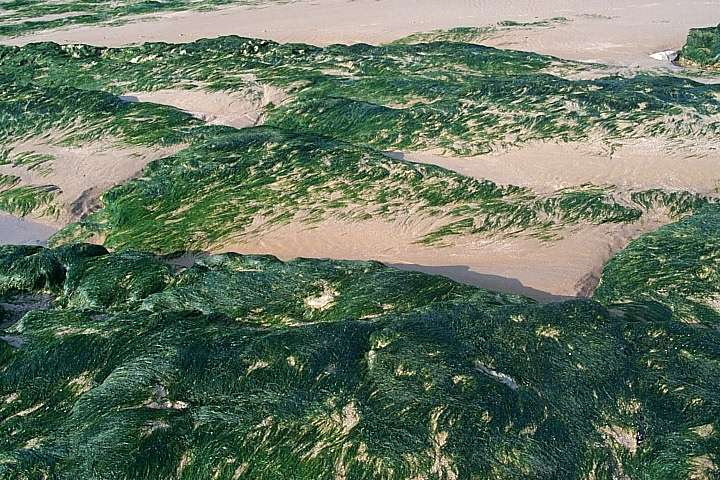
(632, 165)
(82, 172)
(703, 467)
(568, 267)
(217, 108)
(704, 431)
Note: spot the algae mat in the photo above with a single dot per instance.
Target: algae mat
(231, 366)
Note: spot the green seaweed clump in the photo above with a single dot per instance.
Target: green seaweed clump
(702, 49)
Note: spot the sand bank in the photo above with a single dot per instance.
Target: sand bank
(82, 172)
(633, 165)
(217, 108)
(613, 31)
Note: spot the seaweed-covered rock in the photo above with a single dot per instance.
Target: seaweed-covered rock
(114, 281)
(26, 268)
(666, 284)
(230, 366)
(702, 48)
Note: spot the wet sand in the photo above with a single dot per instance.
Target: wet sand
(23, 231)
(634, 165)
(569, 267)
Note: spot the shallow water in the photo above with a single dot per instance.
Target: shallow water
(14, 230)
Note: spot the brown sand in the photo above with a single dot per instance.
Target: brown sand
(217, 108)
(619, 32)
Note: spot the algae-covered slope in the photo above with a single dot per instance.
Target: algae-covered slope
(666, 284)
(458, 97)
(234, 366)
(677, 266)
(702, 48)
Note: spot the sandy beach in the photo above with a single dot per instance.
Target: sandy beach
(546, 271)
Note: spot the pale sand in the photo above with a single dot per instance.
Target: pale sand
(619, 32)
(546, 271)
(82, 172)
(547, 167)
(23, 231)
(217, 108)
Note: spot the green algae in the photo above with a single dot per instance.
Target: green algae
(197, 366)
(674, 272)
(462, 98)
(677, 266)
(23, 199)
(27, 269)
(79, 116)
(229, 366)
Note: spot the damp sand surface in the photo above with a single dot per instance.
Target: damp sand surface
(23, 231)
(547, 271)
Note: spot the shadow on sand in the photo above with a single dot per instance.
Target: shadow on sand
(463, 274)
